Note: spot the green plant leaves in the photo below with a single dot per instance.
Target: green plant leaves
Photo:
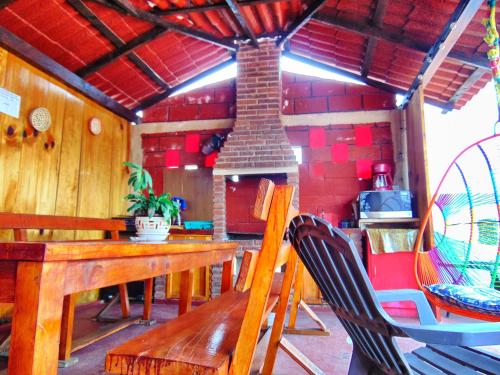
(150, 205)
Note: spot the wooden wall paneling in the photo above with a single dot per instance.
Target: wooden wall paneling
(95, 176)
(49, 158)
(119, 174)
(193, 186)
(4, 119)
(16, 77)
(95, 168)
(34, 95)
(69, 166)
(417, 158)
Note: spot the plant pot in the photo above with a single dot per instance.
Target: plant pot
(154, 228)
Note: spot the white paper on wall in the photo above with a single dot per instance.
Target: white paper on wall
(10, 103)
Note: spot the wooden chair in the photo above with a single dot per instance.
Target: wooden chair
(331, 258)
(221, 336)
(20, 223)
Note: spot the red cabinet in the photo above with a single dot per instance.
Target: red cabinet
(390, 265)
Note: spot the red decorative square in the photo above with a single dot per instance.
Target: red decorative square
(210, 159)
(363, 136)
(340, 152)
(172, 158)
(318, 169)
(317, 137)
(192, 143)
(364, 169)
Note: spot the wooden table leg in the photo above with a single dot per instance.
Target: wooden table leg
(36, 324)
(68, 317)
(148, 298)
(227, 275)
(124, 302)
(186, 291)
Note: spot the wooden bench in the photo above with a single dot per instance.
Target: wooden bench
(221, 336)
(21, 223)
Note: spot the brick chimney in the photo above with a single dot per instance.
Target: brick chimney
(258, 144)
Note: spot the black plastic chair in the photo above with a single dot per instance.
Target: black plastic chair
(332, 260)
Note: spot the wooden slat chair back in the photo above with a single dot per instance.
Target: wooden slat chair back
(333, 261)
(21, 223)
(220, 336)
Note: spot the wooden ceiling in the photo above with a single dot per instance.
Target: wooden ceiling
(131, 55)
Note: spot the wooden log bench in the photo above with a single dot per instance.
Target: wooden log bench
(21, 223)
(221, 336)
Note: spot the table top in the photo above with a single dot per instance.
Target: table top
(100, 249)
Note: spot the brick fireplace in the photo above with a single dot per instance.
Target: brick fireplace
(258, 144)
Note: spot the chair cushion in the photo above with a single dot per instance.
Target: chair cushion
(475, 298)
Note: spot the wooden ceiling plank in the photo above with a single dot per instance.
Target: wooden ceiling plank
(372, 42)
(458, 22)
(242, 22)
(109, 34)
(368, 81)
(301, 21)
(156, 98)
(125, 49)
(33, 56)
(394, 38)
(157, 20)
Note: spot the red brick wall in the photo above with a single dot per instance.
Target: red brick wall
(155, 146)
(328, 187)
(301, 94)
(330, 193)
(305, 94)
(212, 102)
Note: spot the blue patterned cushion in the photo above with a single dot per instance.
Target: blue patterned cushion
(481, 299)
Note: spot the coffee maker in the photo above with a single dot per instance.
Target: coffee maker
(382, 179)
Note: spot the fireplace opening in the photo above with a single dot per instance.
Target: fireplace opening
(240, 200)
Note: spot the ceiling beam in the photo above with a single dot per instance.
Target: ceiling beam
(242, 22)
(157, 20)
(109, 34)
(204, 8)
(398, 39)
(468, 83)
(300, 21)
(372, 42)
(152, 100)
(33, 56)
(368, 81)
(459, 20)
(4, 3)
(125, 49)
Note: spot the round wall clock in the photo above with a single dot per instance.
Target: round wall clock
(40, 119)
(95, 126)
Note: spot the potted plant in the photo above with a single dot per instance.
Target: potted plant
(153, 214)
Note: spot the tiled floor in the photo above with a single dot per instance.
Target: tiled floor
(331, 353)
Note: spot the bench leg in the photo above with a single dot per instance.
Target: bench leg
(186, 291)
(124, 302)
(279, 318)
(68, 316)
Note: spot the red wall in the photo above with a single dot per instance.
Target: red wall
(327, 187)
(301, 94)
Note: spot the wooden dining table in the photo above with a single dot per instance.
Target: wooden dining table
(36, 276)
